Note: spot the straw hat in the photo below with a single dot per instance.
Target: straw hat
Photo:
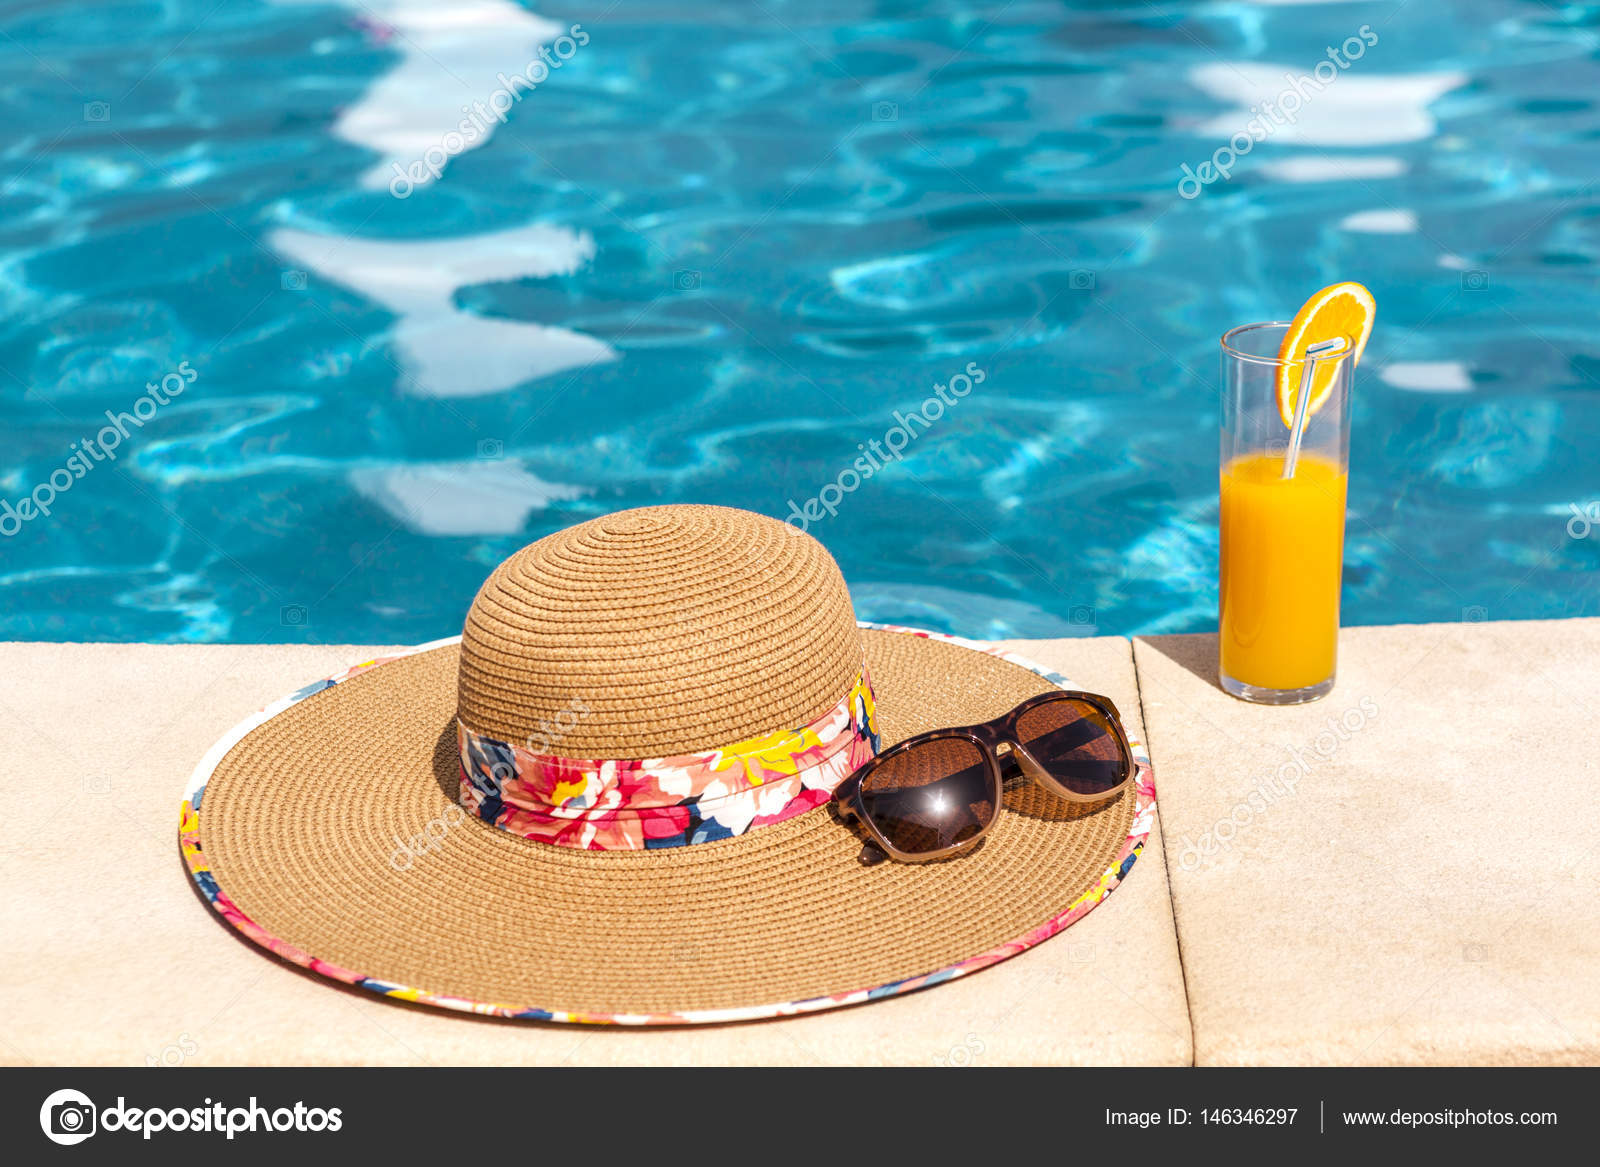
(607, 799)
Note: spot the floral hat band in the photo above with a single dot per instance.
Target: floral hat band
(599, 804)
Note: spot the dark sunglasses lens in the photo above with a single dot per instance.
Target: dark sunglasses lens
(1075, 742)
(931, 797)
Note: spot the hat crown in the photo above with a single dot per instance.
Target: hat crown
(655, 632)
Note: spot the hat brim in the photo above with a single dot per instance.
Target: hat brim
(326, 829)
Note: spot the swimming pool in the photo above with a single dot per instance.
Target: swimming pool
(713, 252)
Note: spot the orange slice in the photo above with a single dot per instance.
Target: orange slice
(1339, 310)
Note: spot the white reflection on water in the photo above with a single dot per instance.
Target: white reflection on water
(445, 50)
(1356, 109)
(1381, 221)
(450, 52)
(1334, 167)
(450, 55)
(1427, 376)
(460, 498)
(445, 351)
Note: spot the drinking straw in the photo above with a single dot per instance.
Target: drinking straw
(1302, 403)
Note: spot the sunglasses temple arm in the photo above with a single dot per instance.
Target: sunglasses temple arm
(871, 854)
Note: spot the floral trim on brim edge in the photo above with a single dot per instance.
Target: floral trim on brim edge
(189, 840)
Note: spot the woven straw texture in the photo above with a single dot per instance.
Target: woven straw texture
(677, 629)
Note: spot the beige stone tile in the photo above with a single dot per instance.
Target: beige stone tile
(1403, 872)
(112, 959)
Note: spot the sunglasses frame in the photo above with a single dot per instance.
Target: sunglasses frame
(988, 737)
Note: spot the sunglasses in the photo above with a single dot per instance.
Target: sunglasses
(936, 794)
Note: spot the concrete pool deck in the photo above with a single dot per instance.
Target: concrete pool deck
(1413, 883)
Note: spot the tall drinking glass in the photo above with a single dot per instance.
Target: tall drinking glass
(1282, 537)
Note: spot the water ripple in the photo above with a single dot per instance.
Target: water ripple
(722, 248)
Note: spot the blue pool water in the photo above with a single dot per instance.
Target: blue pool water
(710, 255)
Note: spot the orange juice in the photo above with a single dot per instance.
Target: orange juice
(1282, 551)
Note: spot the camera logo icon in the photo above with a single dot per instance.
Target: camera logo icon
(67, 1117)
(685, 281)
